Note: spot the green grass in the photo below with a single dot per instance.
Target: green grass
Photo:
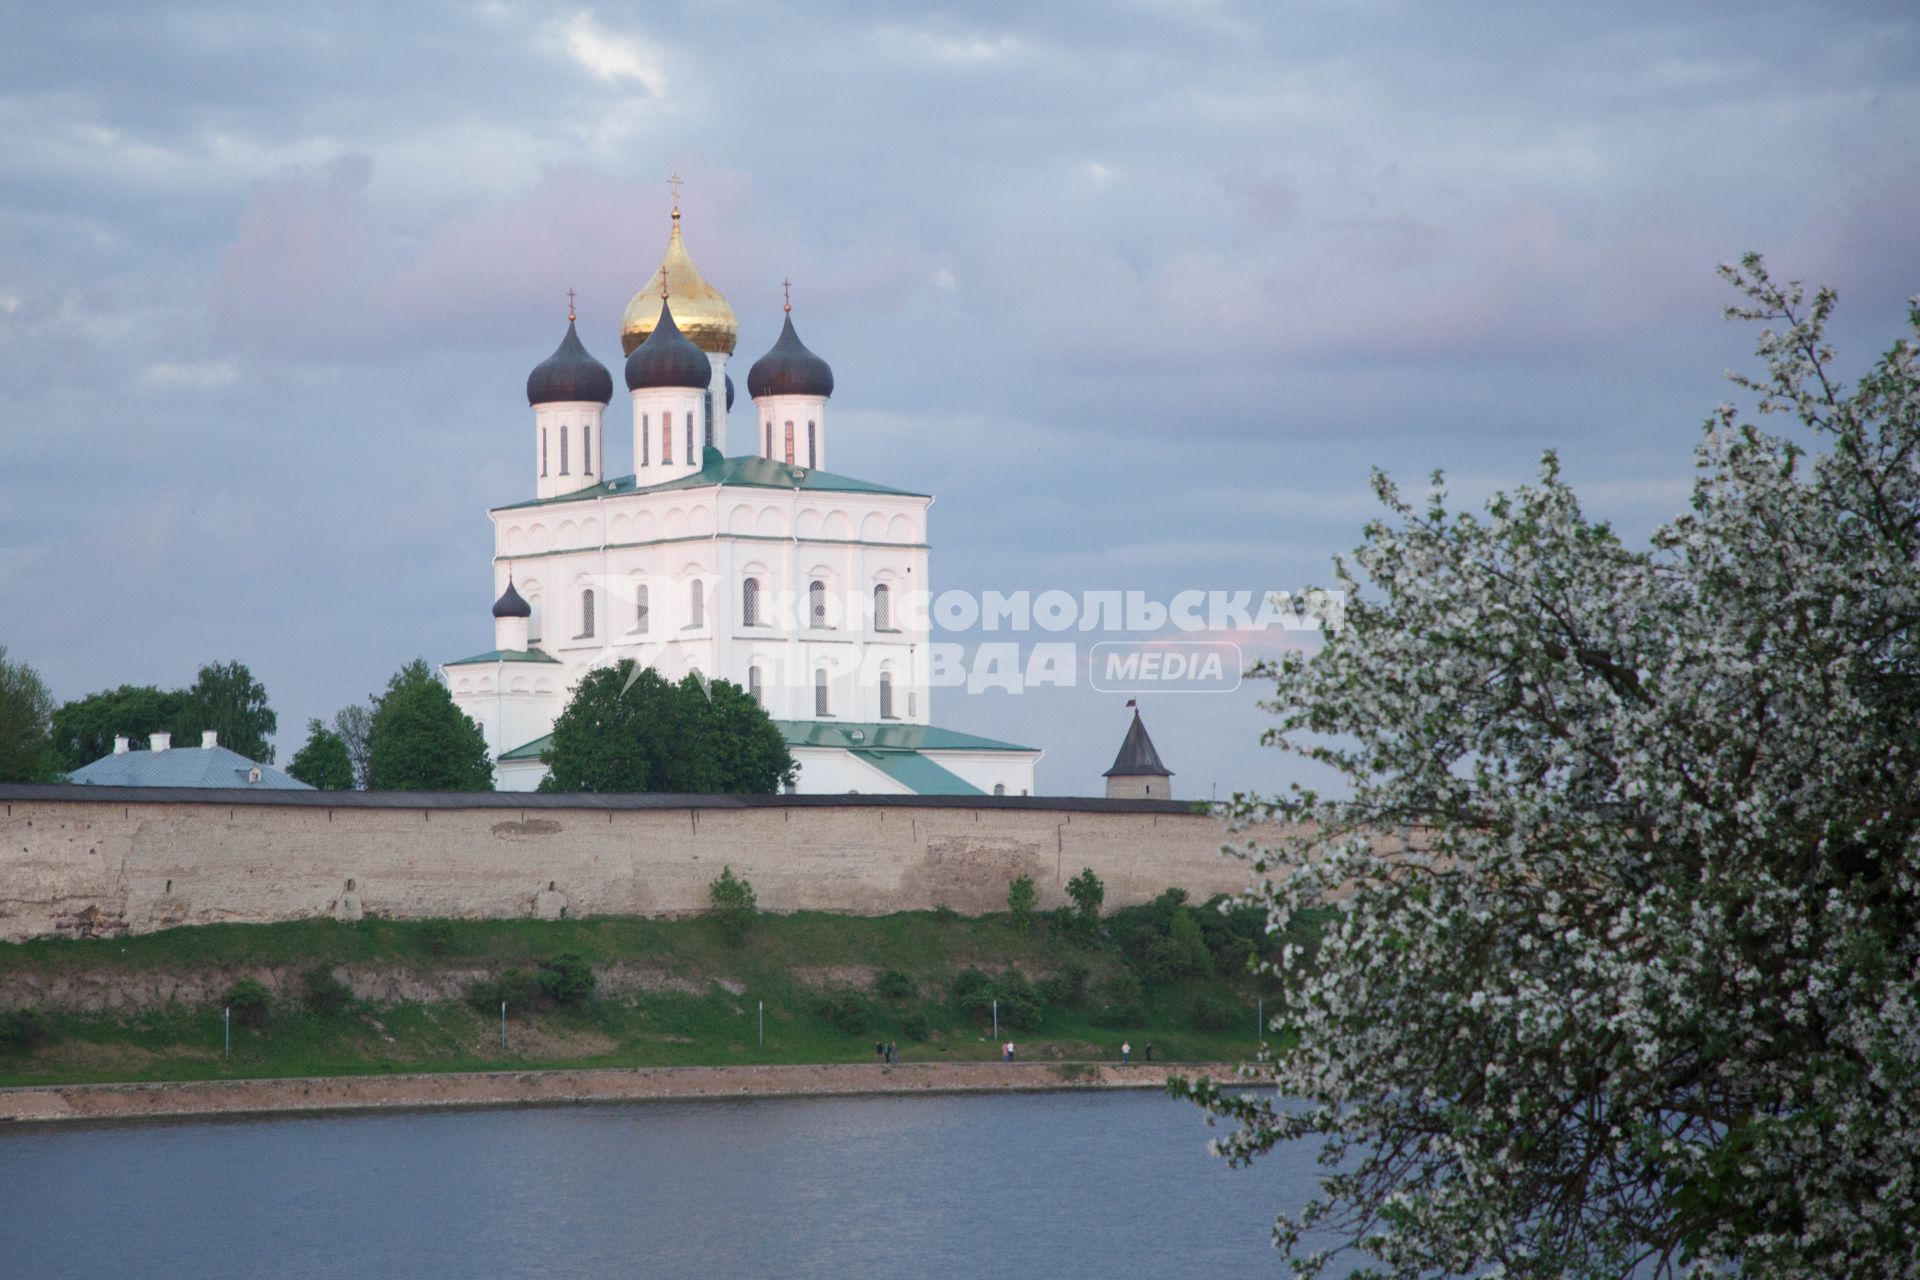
(699, 1004)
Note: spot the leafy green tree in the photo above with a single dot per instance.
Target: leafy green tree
(568, 979)
(250, 1002)
(628, 730)
(26, 724)
(84, 729)
(1020, 899)
(354, 724)
(323, 762)
(734, 905)
(1626, 975)
(1086, 893)
(420, 741)
(227, 699)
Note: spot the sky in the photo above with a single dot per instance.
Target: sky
(1140, 291)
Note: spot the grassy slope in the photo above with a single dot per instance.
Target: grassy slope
(692, 1019)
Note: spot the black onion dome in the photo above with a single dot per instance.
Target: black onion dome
(511, 605)
(569, 374)
(789, 369)
(668, 359)
(729, 393)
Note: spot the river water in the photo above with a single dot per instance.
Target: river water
(1044, 1184)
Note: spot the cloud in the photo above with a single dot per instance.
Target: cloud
(205, 375)
(613, 57)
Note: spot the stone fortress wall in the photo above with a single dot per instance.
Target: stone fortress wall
(88, 861)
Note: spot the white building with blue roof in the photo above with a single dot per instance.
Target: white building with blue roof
(762, 567)
(164, 765)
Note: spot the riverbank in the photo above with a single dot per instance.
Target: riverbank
(95, 1102)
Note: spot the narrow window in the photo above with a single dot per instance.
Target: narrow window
(543, 451)
(750, 602)
(640, 609)
(882, 607)
(769, 449)
(912, 704)
(586, 613)
(817, 603)
(820, 692)
(586, 449)
(696, 605)
(886, 695)
(563, 448)
(646, 440)
(666, 439)
(813, 453)
(690, 458)
(753, 686)
(709, 417)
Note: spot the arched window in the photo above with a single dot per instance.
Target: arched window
(543, 451)
(886, 695)
(813, 452)
(563, 448)
(586, 449)
(709, 406)
(646, 439)
(769, 450)
(666, 439)
(691, 456)
(753, 687)
(586, 614)
(750, 603)
(696, 605)
(817, 603)
(640, 609)
(882, 607)
(820, 692)
(789, 444)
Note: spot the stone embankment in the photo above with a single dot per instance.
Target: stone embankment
(534, 1088)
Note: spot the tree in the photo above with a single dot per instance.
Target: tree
(1626, 967)
(1020, 900)
(1087, 893)
(354, 724)
(26, 724)
(84, 729)
(420, 741)
(323, 762)
(734, 906)
(629, 730)
(227, 699)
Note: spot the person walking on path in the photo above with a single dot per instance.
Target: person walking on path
(1149, 1051)
(893, 1053)
(880, 1050)
(1126, 1051)
(1007, 1049)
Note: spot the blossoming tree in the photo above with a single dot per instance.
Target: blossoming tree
(1625, 976)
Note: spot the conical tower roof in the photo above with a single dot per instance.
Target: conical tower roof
(702, 313)
(1137, 757)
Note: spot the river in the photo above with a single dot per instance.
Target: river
(1044, 1184)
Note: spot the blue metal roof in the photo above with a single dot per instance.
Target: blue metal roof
(184, 767)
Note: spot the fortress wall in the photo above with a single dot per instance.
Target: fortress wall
(79, 864)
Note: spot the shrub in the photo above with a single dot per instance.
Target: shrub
(323, 993)
(846, 1009)
(250, 1001)
(518, 988)
(944, 913)
(438, 936)
(1067, 988)
(1020, 899)
(895, 985)
(972, 990)
(1060, 922)
(733, 905)
(1120, 1000)
(21, 1030)
(1087, 893)
(1019, 1006)
(1208, 1013)
(568, 979)
(915, 1026)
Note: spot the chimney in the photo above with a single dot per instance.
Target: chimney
(121, 745)
(160, 741)
(209, 739)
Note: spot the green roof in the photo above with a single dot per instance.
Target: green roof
(504, 655)
(873, 738)
(751, 472)
(918, 774)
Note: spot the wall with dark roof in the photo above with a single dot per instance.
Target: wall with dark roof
(82, 861)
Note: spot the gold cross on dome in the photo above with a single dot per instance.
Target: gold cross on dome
(569, 306)
(674, 184)
(786, 295)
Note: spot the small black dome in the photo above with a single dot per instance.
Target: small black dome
(729, 393)
(510, 605)
(569, 374)
(668, 359)
(789, 369)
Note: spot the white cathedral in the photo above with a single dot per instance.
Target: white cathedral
(761, 567)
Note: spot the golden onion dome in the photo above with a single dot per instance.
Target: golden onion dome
(698, 308)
